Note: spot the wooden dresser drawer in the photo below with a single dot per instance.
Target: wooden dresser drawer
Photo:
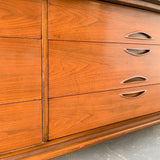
(20, 70)
(20, 125)
(93, 20)
(20, 18)
(80, 67)
(73, 114)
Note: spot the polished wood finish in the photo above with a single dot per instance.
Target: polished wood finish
(93, 20)
(45, 69)
(151, 5)
(20, 70)
(20, 18)
(153, 1)
(80, 67)
(73, 114)
(82, 140)
(21, 125)
(89, 102)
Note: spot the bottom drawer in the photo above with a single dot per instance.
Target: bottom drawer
(20, 125)
(73, 114)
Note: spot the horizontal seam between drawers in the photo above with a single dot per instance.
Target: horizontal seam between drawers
(2, 104)
(147, 85)
(60, 40)
(21, 38)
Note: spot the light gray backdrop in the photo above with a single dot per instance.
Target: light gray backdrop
(140, 145)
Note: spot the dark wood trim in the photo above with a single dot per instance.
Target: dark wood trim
(149, 5)
(153, 1)
(45, 68)
(68, 144)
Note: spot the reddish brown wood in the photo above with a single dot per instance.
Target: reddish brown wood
(75, 68)
(153, 1)
(20, 18)
(73, 114)
(45, 77)
(82, 140)
(20, 70)
(21, 125)
(152, 5)
(80, 67)
(93, 20)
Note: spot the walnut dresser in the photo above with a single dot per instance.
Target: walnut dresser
(75, 73)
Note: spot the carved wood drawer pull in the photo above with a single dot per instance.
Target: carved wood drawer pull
(137, 52)
(139, 35)
(134, 79)
(133, 94)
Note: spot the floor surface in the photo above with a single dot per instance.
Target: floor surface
(140, 145)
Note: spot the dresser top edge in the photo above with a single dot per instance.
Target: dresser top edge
(150, 5)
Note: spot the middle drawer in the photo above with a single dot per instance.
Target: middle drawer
(80, 67)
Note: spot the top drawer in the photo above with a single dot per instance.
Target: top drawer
(93, 20)
(20, 18)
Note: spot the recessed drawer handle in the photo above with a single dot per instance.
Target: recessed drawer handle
(137, 52)
(139, 35)
(134, 79)
(133, 94)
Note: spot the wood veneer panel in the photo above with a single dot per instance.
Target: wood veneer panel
(20, 70)
(20, 18)
(73, 114)
(93, 20)
(80, 67)
(21, 125)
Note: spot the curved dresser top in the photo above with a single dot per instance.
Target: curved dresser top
(151, 5)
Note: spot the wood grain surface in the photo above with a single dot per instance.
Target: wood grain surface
(20, 18)
(20, 70)
(45, 68)
(73, 114)
(151, 5)
(80, 67)
(68, 144)
(21, 125)
(93, 20)
(88, 104)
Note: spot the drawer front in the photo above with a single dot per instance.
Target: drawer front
(73, 114)
(20, 18)
(21, 125)
(20, 70)
(93, 20)
(80, 67)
